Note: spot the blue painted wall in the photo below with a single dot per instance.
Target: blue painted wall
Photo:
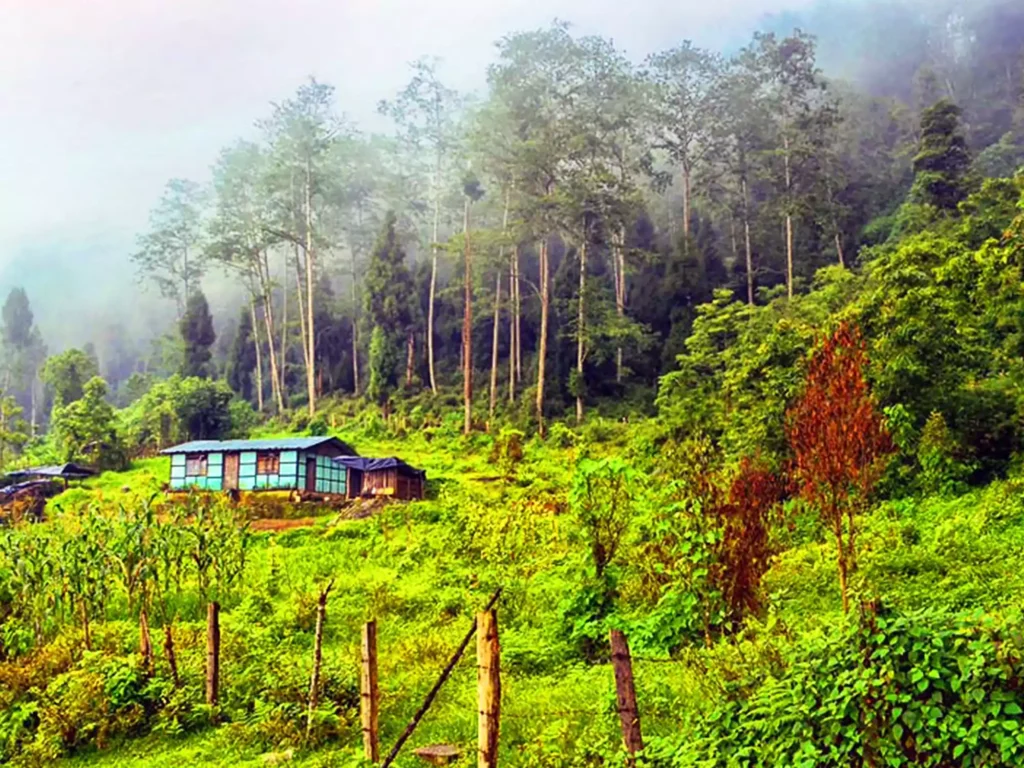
(330, 477)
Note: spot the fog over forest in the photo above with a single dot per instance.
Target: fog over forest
(107, 104)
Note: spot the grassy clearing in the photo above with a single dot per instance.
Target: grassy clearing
(422, 569)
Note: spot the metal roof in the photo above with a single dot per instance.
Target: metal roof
(267, 444)
(69, 471)
(370, 465)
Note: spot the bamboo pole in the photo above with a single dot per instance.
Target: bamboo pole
(369, 696)
(625, 694)
(488, 656)
(432, 694)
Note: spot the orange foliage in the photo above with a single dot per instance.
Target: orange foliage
(839, 441)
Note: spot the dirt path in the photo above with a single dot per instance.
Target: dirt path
(272, 524)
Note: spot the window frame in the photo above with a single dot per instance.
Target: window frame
(265, 458)
(191, 461)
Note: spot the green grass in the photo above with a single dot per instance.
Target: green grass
(422, 569)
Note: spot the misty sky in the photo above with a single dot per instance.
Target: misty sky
(103, 101)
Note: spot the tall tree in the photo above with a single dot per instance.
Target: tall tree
(242, 361)
(301, 132)
(472, 191)
(241, 236)
(426, 113)
(745, 117)
(389, 301)
(198, 336)
(67, 373)
(686, 108)
(170, 253)
(839, 441)
(942, 164)
(796, 97)
(23, 353)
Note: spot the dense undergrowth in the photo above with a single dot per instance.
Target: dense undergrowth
(928, 667)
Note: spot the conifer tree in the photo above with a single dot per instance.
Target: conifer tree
(198, 334)
(943, 162)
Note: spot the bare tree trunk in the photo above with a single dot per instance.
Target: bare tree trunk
(259, 356)
(318, 643)
(299, 291)
(686, 208)
(355, 325)
(732, 239)
(497, 315)
(789, 217)
(542, 349)
(467, 331)
(580, 330)
(519, 315)
(746, 236)
(310, 329)
(410, 357)
(494, 348)
(433, 276)
(172, 659)
(512, 330)
(283, 353)
(839, 249)
(268, 319)
(33, 403)
(212, 653)
(619, 256)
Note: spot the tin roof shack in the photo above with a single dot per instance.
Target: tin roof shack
(383, 477)
(302, 464)
(65, 472)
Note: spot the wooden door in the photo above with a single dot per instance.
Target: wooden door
(230, 471)
(310, 473)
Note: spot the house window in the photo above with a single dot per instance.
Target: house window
(195, 465)
(268, 463)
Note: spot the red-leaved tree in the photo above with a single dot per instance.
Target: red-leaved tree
(839, 441)
(751, 509)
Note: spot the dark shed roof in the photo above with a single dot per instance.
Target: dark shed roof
(369, 465)
(268, 444)
(67, 471)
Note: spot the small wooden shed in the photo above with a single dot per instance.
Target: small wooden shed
(390, 477)
(274, 464)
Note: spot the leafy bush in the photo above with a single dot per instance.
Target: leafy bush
(925, 688)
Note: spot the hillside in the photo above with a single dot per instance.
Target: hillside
(775, 446)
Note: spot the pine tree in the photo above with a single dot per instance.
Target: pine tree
(242, 360)
(198, 334)
(943, 162)
(389, 304)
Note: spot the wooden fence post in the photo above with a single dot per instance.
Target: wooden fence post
(432, 693)
(625, 694)
(212, 652)
(488, 655)
(369, 697)
(318, 656)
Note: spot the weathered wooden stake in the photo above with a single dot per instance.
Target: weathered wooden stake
(212, 652)
(445, 673)
(318, 655)
(625, 694)
(369, 696)
(488, 660)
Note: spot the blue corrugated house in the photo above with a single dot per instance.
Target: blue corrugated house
(280, 464)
